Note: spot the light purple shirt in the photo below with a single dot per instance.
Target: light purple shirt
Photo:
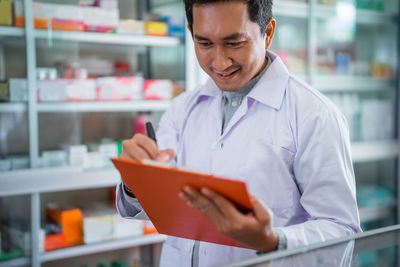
(287, 141)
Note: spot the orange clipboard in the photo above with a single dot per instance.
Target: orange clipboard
(157, 188)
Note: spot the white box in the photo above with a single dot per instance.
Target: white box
(132, 26)
(52, 90)
(126, 227)
(81, 90)
(21, 238)
(67, 90)
(77, 155)
(5, 164)
(96, 16)
(54, 158)
(108, 151)
(57, 11)
(18, 90)
(19, 162)
(93, 160)
(98, 228)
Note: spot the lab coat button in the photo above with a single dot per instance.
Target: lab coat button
(187, 247)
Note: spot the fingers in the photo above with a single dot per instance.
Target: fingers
(260, 211)
(166, 155)
(225, 206)
(139, 147)
(198, 201)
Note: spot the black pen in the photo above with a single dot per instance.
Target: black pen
(150, 131)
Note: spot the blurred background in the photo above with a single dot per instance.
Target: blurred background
(79, 76)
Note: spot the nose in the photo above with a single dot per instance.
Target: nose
(221, 60)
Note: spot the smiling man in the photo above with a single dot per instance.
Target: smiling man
(255, 122)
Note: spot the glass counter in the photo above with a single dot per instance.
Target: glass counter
(378, 247)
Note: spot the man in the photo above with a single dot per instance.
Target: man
(254, 121)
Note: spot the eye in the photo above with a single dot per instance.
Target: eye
(234, 44)
(205, 44)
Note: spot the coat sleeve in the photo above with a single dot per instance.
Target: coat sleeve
(324, 173)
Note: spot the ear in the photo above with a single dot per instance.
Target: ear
(269, 32)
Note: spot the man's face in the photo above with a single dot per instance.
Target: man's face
(229, 46)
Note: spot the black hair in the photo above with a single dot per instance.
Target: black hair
(260, 11)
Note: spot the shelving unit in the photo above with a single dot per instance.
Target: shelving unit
(375, 213)
(102, 247)
(362, 16)
(8, 31)
(373, 151)
(344, 83)
(122, 106)
(290, 9)
(107, 38)
(23, 261)
(34, 182)
(13, 107)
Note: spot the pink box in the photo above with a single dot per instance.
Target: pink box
(119, 88)
(158, 89)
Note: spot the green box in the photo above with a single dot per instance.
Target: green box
(6, 15)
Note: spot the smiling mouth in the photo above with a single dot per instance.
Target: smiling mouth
(228, 75)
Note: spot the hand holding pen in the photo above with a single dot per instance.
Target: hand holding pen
(141, 147)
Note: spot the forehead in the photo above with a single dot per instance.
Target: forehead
(222, 18)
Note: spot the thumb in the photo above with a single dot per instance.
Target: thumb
(166, 155)
(261, 212)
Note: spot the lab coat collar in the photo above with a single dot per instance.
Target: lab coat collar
(269, 90)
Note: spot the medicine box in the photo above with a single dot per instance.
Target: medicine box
(70, 218)
(6, 15)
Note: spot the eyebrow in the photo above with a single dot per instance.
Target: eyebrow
(230, 37)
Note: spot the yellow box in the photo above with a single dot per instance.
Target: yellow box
(156, 28)
(6, 15)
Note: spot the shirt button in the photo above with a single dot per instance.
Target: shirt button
(234, 104)
(187, 247)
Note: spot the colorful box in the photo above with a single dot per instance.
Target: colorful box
(119, 88)
(158, 89)
(4, 92)
(6, 14)
(156, 28)
(70, 220)
(98, 19)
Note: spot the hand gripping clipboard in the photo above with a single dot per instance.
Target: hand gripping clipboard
(157, 188)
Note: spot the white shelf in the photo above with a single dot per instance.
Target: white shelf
(102, 247)
(337, 83)
(43, 180)
(369, 17)
(290, 9)
(108, 38)
(375, 213)
(13, 107)
(122, 106)
(22, 261)
(11, 31)
(371, 151)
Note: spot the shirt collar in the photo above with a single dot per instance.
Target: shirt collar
(269, 89)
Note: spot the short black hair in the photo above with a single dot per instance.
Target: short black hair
(260, 11)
